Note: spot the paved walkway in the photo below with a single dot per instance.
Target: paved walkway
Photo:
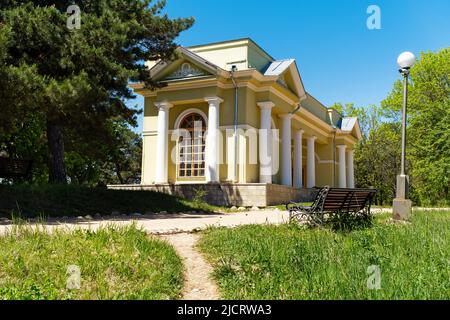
(176, 223)
(166, 224)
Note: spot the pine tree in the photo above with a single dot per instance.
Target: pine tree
(77, 79)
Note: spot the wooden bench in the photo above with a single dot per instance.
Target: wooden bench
(332, 202)
(11, 168)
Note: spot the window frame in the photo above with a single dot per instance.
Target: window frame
(192, 146)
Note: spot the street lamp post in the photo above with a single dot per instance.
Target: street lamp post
(402, 205)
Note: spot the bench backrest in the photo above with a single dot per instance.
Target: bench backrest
(10, 168)
(347, 200)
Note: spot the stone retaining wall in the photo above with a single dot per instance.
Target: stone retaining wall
(230, 194)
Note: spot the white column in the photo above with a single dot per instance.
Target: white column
(311, 162)
(342, 171)
(162, 142)
(265, 142)
(286, 150)
(212, 140)
(350, 170)
(298, 159)
(231, 159)
(242, 151)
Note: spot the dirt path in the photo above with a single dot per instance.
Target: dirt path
(198, 282)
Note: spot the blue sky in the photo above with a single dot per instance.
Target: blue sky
(339, 58)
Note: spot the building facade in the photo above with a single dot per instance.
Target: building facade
(233, 121)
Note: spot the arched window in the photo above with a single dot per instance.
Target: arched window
(191, 147)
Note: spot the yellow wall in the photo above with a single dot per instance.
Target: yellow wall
(225, 55)
(243, 53)
(148, 160)
(324, 164)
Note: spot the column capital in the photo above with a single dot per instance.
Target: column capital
(341, 146)
(287, 116)
(165, 105)
(300, 132)
(214, 100)
(313, 138)
(266, 105)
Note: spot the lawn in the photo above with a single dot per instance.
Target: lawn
(114, 263)
(293, 262)
(71, 200)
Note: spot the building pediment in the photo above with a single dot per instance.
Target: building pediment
(188, 65)
(185, 71)
(350, 125)
(288, 75)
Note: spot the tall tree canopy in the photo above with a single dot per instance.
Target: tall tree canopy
(428, 125)
(76, 81)
(377, 157)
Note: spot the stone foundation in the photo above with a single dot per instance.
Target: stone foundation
(230, 194)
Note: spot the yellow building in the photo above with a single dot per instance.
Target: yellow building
(235, 122)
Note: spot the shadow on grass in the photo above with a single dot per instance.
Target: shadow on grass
(55, 221)
(58, 201)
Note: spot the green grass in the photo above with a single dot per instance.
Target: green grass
(115, 263)
(292, 262)
(57, 201)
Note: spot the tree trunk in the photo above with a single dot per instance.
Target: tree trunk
(56, 165)
(119, 174)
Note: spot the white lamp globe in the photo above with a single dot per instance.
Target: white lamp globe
(406, 60)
